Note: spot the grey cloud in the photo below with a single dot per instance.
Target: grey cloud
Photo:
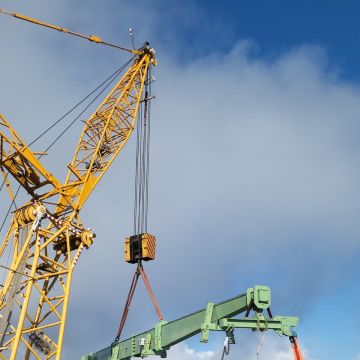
(254, 171)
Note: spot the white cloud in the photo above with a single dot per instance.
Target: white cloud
(274, 348)
(184, 352)
(254, 175)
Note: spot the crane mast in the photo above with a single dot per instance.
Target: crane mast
(46, 235)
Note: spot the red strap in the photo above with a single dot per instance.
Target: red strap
(139, 271)
(128, 303)
(148, 287)
(296, 348)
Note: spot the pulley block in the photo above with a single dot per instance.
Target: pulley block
(140, 247)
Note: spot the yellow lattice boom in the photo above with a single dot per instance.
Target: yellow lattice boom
(46, 235)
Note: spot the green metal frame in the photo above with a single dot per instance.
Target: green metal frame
(215, 317)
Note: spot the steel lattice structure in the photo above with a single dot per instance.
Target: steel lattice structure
(46, 234)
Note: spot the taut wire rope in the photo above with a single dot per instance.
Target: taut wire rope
(106, 83)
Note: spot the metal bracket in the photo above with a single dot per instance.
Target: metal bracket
(283, 325)
(87, 357)
(146, 350)
(133, 346)
(157, 340)
(115, 348)
(40, 212)
(261, 321)
(207, 325)
(259, 296)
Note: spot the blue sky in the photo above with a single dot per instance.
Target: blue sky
(276, 26)
(255, 159)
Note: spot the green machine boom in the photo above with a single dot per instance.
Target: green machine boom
(215, 317)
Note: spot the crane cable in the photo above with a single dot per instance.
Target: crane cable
(107, 82)
(138, 272)
(141, 200)
(92, 38)
(3, 183)
(109, 78)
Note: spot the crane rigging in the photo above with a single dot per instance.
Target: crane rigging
(141, 245)
(100, 89)
(47, 236)
(46, 233)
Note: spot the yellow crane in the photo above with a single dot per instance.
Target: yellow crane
(46, 235)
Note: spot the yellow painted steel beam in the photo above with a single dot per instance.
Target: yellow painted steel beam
(21, 162)
(44, 251)
(105, 133)
(92, 38)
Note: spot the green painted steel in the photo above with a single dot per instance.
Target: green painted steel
(283, 325)
(215, 317)
(259, 296)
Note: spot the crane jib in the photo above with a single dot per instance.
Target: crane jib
(42, 263)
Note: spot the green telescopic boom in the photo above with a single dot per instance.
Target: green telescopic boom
(215, 317)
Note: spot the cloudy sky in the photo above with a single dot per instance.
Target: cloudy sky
(254, 161)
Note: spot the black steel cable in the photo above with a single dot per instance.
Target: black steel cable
(141, 198)
(81, 113)
(139, 180)
(148, 103)
(4, 180)
(142, 170)
(143, 167)
(110, 80)
(2, 185)
(136, 230)
(9, 209)
(116, 73)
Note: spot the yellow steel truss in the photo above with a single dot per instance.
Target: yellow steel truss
(46, 235)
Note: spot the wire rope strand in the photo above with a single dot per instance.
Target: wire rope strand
(2, 185)
(9, 209)
(148, 103)
(136, 178)
(141, 197)
(114, 74)
(5, 177)
(110, 80)
(114, 77)
(143, 144)
(141, 162)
